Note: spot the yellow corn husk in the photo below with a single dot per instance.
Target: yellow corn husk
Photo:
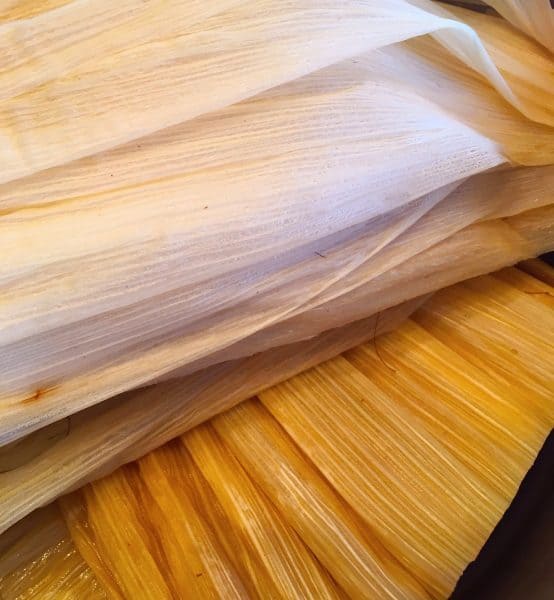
(258, 538)
(532, 16)
(213, 196)
(355, 276)
(117, 431)
(18, 547)
(283, 159)
(113, 433)
(493, 351)
(100, 75)
(106, 436)
(11, 10)
(524, 281)
(39, 560)
(377, 474)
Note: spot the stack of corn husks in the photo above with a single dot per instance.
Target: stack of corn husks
(378, 474)
(187, 183)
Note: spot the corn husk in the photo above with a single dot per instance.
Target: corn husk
(205, 216)
(185, 185)
(378, 474)
(39, 560)
(534, 17)
(101, 438)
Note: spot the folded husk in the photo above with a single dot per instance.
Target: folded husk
(284, 172)
(126, 427)
(379, 473)
(535, 17)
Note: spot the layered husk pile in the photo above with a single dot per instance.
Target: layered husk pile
(193, 192)
(377, 474)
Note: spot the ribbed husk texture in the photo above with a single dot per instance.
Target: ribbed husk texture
(188, 183)
(377, 474)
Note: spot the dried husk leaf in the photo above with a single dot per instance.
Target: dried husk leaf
(285, 172)
(377, 474)
(535, 17)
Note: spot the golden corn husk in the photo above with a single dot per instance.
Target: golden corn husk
(199, 200)
(281, 159)
(377, 474)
